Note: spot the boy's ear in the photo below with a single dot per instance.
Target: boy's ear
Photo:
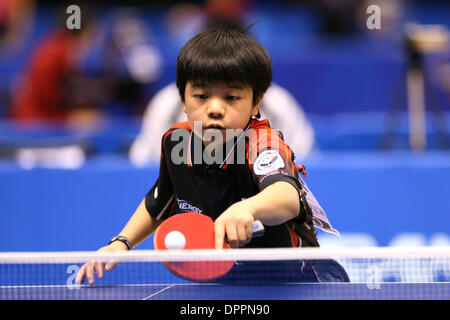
(255, 110)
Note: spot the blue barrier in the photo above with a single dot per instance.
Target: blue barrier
(379, 196)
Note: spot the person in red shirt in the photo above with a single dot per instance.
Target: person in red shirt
(51, 85)
(42, 93)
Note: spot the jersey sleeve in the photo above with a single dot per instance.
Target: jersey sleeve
(271, 160)
(160, 201)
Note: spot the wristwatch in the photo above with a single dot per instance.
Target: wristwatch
(122, 239)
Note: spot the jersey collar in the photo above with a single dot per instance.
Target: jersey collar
(195, 141)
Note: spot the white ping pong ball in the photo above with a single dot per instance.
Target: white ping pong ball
(175, 240)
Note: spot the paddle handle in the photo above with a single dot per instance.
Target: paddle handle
(257, 229)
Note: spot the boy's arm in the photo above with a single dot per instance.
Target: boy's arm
(139, 227)
(274, 205)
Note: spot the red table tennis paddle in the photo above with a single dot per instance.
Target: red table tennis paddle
(191, 230)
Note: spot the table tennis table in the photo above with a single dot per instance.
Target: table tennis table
(294, 291)
(51, 276)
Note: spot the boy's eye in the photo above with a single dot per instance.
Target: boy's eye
(200, 96)
(233, 98)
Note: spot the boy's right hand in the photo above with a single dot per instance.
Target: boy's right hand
(90, 268)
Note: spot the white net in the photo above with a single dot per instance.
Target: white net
(256, 274)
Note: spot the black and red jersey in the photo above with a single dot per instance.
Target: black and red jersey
(189, 181)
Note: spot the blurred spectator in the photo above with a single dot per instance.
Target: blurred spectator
(16, 17)
(45, 89)
(339, 16)
(186, 19)
(391, 17)
(349, 17)
(131, 63)
(226, 11)
(16, 21)
(82, 76)
(444, 79)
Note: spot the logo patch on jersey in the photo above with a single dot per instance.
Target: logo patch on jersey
(268, 161)
(187, 207)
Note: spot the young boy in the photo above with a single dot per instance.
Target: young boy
(227, 164)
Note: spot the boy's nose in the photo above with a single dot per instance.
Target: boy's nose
(215, 109)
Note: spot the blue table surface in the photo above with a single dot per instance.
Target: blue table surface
(303, 291)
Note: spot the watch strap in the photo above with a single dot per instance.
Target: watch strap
(122, 239)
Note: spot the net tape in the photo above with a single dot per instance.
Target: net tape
(274, 254)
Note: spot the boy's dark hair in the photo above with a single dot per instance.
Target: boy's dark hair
(224, 55)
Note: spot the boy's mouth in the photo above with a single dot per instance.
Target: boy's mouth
(215, 126)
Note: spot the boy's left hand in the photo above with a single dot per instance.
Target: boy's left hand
(236, 224)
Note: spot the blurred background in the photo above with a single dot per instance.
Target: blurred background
(361, 93)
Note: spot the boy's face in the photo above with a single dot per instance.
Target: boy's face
(218, 107)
